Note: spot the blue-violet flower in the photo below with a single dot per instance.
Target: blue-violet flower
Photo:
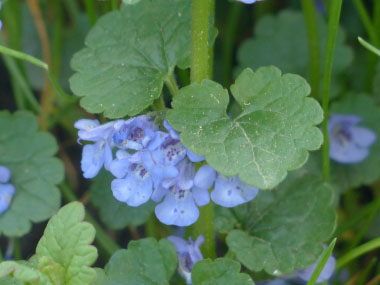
(349, 143)
(188, 254)
(7, 191)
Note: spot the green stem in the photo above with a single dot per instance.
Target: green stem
(23, 56)
(17, 249)
(102, 238)
(368, 46)
(367, 270)
(351, 255)
(313, 43)
(114, 4)
(199, 40)
(90, 10)
(229, 40)
(171, 83)
(211, 47)
(334, 14)
(200, 71)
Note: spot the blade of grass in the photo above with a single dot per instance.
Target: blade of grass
(368, 46)
(333, 25)
(322, 263)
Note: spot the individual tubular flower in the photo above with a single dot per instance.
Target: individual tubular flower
(135, 133)
(188, 254)
(7, 191)
(182, 195)
(134, 185)
(94, 156)
(231, 191)
(349, 143)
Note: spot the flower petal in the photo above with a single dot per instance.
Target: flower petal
(194, 157)
(92, 159)
(200, 196)
(230, 192)
(5, 174)
(349, 153)
(363, 137)
(7, 192)
(205, 177)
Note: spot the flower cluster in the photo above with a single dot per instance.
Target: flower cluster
(7, 190)
(152, 164)
(349, 143)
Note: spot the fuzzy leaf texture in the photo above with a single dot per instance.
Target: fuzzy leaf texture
(12, 272)
(66, 245)
(146, 261)
(218, 272)
(282, 230)
(129, 55)
(28, 153)
(271, 135)
(276, 43)
(115, 214)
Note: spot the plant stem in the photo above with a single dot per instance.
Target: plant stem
(229, 40)
(102, 238)
(369, 46)
(171, 83)
(313, 43)
(90, 10)
(115, 4)
(211, 47)
(200, 71)
(351, 255)
(17, 249)
(199, 41)
(334, 16)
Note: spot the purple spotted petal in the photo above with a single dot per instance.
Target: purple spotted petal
(230, 192)
(205, 177)
(7, 192)
(326, 273)
(5, 174)
(92, 159)
(177, 209)
(135, 189)
(194, 157)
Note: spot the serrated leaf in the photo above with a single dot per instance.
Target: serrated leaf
(220, 271)
(22, 272)
(146, 261)
(129, 55)
(28, 153)
(272, 135)
(276, 43)
(66, 242)
(115, 214)
(284, 229)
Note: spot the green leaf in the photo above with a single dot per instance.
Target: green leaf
(145, 262)
(130, 54)
(64, 247)
(221, 271)
(276, 43)
(272, 134)
(22, 271)
(376, 83)
(28, 153)
(115, 214)
(284, 229)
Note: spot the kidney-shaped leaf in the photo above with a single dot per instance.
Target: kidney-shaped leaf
(28, 153)
(271, 135)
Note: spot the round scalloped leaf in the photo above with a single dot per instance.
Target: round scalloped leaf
(275, 42)
(115, 214)
(146, 261)
(272, 134)
(284, 229)
(129, 55)
(28, 153)
(219, 271)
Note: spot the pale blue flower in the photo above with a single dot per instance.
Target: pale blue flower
(188, 254)
(135, 133)
(7, 191)
(327, 271)
(182, 195)
(349, 142)
(231, 191)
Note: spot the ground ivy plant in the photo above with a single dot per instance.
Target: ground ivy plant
(141, 167)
